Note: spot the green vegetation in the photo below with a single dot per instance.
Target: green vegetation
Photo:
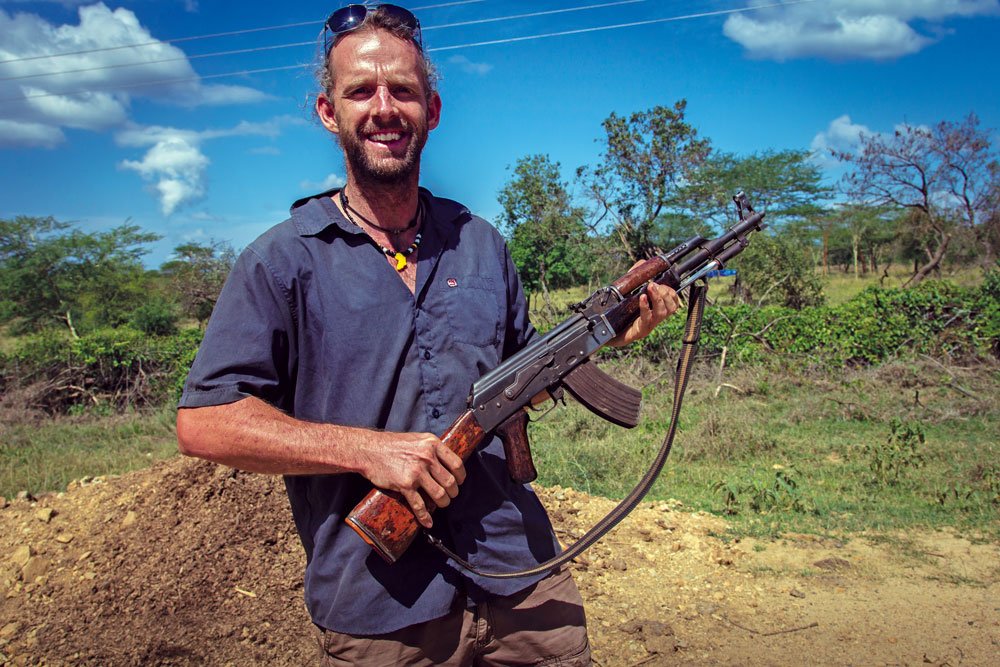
(848, 376)
(108, 370)
(908, 444)
(40, 453)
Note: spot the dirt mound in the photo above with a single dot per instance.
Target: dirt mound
(188, 563)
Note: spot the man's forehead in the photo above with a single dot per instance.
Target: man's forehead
(376, 49)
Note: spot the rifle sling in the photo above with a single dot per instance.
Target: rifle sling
(692, 331)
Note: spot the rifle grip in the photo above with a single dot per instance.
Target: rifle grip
(514, 434)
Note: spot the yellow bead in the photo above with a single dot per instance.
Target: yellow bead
(400, 261)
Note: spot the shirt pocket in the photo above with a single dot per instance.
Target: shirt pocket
(473, 310)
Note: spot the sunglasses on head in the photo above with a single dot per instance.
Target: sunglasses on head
(353, 17)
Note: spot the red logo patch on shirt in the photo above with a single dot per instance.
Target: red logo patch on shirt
(452, 282)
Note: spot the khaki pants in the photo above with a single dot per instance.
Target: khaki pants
(542, 625)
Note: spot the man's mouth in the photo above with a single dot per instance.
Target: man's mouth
(392, 139)
(386, 137)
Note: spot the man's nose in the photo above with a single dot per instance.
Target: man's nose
(385, 103)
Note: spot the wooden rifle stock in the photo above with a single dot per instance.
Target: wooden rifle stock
(384, 519)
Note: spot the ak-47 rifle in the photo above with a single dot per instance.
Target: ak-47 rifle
(557, 360)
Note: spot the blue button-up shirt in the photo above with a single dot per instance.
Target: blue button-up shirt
(314, 320)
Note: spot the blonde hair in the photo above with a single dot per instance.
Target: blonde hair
(376, 19)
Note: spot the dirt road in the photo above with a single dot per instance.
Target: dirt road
(192, 564)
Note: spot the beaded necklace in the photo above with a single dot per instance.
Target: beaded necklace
(394, 232)
(399, 256)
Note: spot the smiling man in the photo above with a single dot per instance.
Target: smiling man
(344, 339)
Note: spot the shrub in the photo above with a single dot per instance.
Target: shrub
(157, 317)
(761, 492)
(934, 317)
(117, 368)
(890, 461)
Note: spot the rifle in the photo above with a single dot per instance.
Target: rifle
(557, 360)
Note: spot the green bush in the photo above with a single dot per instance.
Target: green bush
(935, 318)
(157, 317)
(762, 492)
(109, 368)
(901, 452)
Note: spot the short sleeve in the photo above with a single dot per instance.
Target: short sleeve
(249, 344)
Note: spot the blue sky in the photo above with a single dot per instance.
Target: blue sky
(211, 152)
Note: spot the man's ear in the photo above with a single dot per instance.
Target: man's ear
(326, 113)
(433, 111)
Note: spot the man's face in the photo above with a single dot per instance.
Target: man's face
(378, 106)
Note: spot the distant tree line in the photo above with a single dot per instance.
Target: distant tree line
(922, 196)
(96, 327)
(55, 276)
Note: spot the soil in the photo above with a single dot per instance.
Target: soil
(188, 563)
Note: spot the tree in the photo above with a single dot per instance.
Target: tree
(197, 273)
(786, 184)
(51, 273)
(776, 269)
(865, 233)
(646, 158)
(946, 176)
(672, 229)
(548, 239)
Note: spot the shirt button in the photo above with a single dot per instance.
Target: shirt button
(427, 354)
(435, 413)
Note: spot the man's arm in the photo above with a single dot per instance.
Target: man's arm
(252, 435)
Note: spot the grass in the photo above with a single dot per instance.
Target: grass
(45, 455)
(794, 450)
(776, 450)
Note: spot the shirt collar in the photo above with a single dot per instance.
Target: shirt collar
(314, 214)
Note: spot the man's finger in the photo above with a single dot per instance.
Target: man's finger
(436, 492)
(419, 508)
(453, 462)
(445, 480)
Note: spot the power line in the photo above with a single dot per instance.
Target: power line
(142, 63)
(578, 31)
(531, 15)
(230, 33)
(257, 49)
(506, 40)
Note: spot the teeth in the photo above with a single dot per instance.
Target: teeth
(387, 136)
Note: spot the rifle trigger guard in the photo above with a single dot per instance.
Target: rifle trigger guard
(557, 397)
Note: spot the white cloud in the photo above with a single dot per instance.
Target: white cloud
(90, 111)
(842, 136)
(15, 133)
(470, 67)
(92, 88)
(846, 29)
(331, 181)
(175, 165)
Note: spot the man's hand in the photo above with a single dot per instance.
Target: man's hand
(417, 465)
(655, 305)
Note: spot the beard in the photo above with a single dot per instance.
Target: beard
(381, 170)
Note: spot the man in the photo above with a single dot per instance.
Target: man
(344, 339)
